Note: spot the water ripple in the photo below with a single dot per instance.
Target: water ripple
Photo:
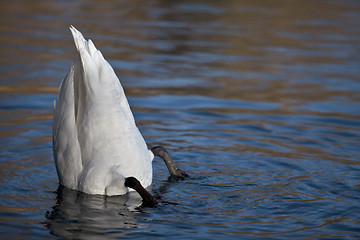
(258, 102)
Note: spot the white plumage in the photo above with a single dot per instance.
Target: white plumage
(95, 140)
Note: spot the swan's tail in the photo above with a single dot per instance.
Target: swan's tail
(81, 43)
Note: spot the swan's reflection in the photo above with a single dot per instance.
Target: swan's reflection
(79, 215)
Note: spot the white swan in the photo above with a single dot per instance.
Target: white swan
(97, 147)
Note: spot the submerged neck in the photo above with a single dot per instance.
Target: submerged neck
(148, 199)
(173, 169)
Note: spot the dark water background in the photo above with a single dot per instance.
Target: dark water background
(259, 101)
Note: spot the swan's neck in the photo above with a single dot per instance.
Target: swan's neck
(148, 199)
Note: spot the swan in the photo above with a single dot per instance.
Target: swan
(97, 147)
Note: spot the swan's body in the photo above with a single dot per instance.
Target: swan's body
(95, 140)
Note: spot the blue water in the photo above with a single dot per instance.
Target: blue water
(258, 101)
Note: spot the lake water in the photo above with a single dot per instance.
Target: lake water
(258, 101)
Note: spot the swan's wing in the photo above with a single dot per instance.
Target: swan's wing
(66, 147)
(106, 127)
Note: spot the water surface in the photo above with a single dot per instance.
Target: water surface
(258, 102)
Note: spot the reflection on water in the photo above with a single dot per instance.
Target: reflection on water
(258, 101)
(78, 215)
